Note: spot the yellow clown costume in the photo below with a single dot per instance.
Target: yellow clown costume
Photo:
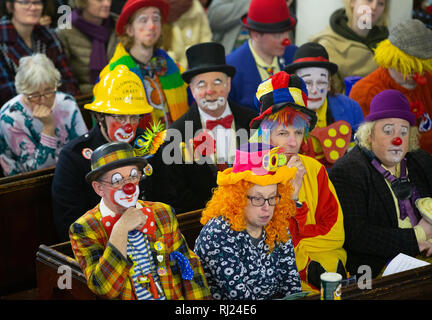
(317, 228)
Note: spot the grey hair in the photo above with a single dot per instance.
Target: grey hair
(35, 71)
(365, 131)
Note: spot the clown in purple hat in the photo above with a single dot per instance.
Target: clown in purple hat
(384, 187)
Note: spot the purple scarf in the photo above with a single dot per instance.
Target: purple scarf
(99, 36)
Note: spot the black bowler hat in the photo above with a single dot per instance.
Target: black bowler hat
(113, 155)
(206, 57)
(311, 54)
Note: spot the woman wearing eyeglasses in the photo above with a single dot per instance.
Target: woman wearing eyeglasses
(39, 121)
(22, 35)
(317, 227)
(245, 247)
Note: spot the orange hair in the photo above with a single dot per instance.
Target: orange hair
(229, 201)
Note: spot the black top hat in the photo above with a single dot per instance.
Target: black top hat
(113, 155)
(311, 54)
(206, 57)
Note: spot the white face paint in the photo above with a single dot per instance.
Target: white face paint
(126, 200)
(122, 136)
(212, 105)
(119, 196)
(317, 83)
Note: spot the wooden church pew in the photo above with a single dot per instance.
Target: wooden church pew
(25, 223)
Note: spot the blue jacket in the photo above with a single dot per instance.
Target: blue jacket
(246, 80)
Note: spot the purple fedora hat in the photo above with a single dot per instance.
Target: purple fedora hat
(390, 104)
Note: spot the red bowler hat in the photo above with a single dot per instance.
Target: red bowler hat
(269, 16)
(131, 6)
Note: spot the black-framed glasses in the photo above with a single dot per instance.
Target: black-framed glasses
(260, 201)
(120, 183)
(27, 4)
(36, 97)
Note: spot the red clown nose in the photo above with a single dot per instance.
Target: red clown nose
(421, 80)
(397, 141)
(129, 188)
(127, 128)
(286, 42)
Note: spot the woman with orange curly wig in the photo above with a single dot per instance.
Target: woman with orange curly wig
(245, 246)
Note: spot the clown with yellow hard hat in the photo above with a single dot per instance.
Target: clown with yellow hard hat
(118, 105)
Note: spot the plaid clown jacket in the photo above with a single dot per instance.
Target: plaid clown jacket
(107, 270)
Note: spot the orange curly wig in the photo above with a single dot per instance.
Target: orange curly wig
(229, 201)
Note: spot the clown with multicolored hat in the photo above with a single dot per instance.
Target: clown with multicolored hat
(245, 233)
(127, 248)
(405, 64)
(317, 227)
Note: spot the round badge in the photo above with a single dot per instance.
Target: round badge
(162, 271)
(148, 170)
(87, 153)
(159, 246)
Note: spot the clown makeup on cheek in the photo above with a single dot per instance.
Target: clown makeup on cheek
(122, 132)
(317, 83)
(125, 192)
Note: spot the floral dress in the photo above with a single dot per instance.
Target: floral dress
(23, 146)
(237, 267)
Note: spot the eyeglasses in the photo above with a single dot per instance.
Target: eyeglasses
(260, 201)
(36, 97)
(27, 4)
(120, 183)
(126, 118)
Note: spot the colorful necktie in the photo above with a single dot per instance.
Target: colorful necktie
(225, 122)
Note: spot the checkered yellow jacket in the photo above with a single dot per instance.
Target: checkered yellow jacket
(107, 270)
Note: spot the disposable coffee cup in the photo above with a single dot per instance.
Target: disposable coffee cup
(331, 286)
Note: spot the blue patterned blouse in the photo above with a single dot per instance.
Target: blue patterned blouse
(235, 268)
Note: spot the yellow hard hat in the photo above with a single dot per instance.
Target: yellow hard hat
(120, 92)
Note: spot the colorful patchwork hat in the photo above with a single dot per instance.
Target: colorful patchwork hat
(258, 163)
(268, 16)
(282, 90)
(113, 155)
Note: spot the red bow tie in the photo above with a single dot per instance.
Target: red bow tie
(149, 228)
(225, 122)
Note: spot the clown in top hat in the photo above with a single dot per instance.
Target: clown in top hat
(338, 116)
(121, 244)
(267, 51)
(405, 64)
(317, 228)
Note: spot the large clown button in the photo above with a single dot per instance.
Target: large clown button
(334, 139)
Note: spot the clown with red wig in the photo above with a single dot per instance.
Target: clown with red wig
(244, 246)
(317, 227)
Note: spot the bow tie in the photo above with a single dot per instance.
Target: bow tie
(225, 122)
(149, 228)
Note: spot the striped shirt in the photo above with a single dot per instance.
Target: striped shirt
(138, 249)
